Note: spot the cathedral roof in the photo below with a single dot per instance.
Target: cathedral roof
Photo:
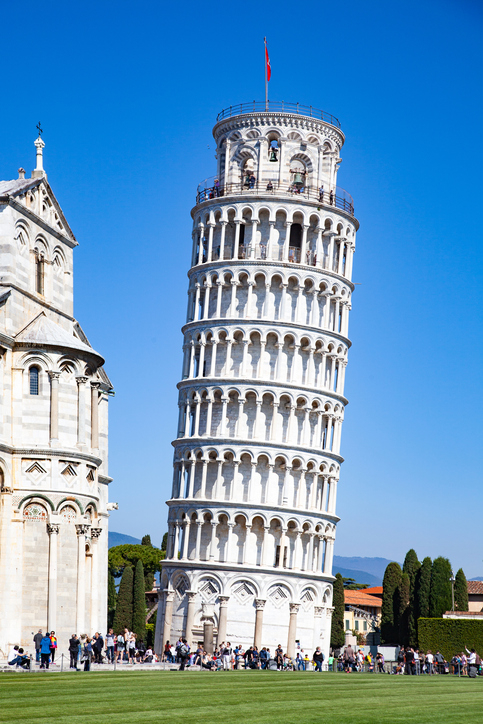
(18, 186)
(43, 332)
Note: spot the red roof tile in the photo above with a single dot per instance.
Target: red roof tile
(475, 587)
(361, 598)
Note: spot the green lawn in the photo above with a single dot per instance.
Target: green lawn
(239, 696)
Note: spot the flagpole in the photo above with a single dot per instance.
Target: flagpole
(266, 81)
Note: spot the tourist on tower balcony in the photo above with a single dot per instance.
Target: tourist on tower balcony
(321, 194)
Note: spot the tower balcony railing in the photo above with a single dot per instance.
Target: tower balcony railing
(338, 197)
(278, 107)
(259, 252)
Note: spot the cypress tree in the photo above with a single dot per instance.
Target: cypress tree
(460, 591)
(111, 599)
(390, 584)
(164, 543)
(411, 567)
(403, 593)
(139, 603)
(146, 540)
(337, 635)
(123, 615)
(423, 589)
(440, 594)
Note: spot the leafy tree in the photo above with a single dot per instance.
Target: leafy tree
(411, 566)
(351, 585)
(460, 591)
(440, 594)
(423, 589)
(164, 543)
(404, 609)
(139, 603)
(146, 540)
(129, 555)
(337, 635)
(111, 599)
(123, 615)
(390, 616)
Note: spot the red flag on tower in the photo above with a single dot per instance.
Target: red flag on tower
(267, 60)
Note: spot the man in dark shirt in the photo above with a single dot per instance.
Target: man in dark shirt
(74, 651)
(409, 661)
(37, 639)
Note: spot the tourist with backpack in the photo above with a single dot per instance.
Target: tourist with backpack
(183, 651)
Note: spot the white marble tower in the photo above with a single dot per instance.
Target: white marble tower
(252, 515)
(53, 429)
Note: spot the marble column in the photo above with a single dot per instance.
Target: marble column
(168, 616)
(222, 619)
(81, 411)
(95, 587)
(190, 616)
(81, 531)
(53, 530)
(54, 409)
(259, 606)
(292, 629)
(95, 415)
(207, 617)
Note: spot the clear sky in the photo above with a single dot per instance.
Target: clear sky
(127, 94)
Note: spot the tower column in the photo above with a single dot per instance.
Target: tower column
(292, 629)
(95, 415)
(222, 619)
(81, 411)
(95, 584)
(168, 617)
(190, 616)
(259, 606)
(53, 531)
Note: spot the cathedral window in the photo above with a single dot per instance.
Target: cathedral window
(34, 380)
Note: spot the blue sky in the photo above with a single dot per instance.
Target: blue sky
(127, 95)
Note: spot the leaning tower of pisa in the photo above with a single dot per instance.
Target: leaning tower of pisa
(252, 515)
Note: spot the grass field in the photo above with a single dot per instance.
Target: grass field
(242, 697)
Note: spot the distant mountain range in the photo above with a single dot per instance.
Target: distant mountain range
(363, 570)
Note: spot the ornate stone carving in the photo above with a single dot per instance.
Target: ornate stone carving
(318, 610)
(260, 603)
(82, 528)
(53, 528)
(294, 607)
(96, 532)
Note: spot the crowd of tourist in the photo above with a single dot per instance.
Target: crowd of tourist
(226, 658)
(125, 648)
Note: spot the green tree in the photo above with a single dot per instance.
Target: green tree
(351, 585)
(146, 540)
(460, 591)
(403, 594)
(129, 555)
(411, 566)
(337, 635)
(164, 543)
(123, 615)
(139, 603)
(440, 594)
(390, 612)
(423, 589)
(111, 599)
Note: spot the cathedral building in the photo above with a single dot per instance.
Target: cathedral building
(252, 514)
(53, 428)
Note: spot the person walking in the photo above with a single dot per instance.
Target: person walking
(45, 652)
(183, 651)
(227, 652)
(279, 657)
(318, 658)
(120, 647)
(97, 646)
(74, 644)
(53, 645)
(37, 641)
